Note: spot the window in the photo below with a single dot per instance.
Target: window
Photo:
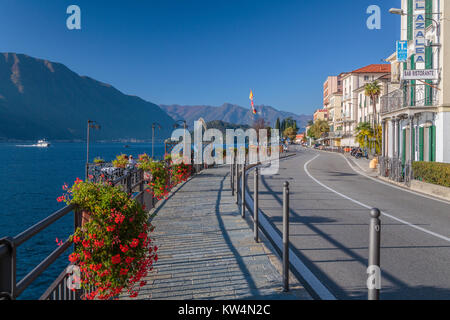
(366, 78)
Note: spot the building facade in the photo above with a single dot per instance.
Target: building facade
(416, 117)
(354, 96)
(321, 114)
(333, 85)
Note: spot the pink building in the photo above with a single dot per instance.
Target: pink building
(332, 85)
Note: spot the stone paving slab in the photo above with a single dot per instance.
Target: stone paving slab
(206, 250)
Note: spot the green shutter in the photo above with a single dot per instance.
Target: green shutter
(421, 144)
(428, 12)
(428, 65)
(413, 147)
(433, 143)
(413, 82)
(405, 87)
(410, 19)
(404, 147)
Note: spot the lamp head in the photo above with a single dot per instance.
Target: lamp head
(396, 11)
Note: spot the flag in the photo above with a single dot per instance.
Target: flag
(253, 104)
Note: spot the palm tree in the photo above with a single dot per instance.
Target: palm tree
(373, 90)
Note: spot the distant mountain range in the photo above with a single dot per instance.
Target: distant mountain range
(43, 99)
(232, 114)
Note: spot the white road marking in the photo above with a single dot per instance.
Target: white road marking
(369, 207)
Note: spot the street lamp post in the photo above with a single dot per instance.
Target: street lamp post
(93, 125)
(154, 125)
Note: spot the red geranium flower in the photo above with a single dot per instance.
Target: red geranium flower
(73, 257)
(134, 243)
(116, 259)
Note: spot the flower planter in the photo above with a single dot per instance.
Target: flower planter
(86, 216)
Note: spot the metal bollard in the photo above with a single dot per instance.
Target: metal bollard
(243, 191)
(256, 206)
(232, 178)
(374, 271)
(237, 183)
(286, 237)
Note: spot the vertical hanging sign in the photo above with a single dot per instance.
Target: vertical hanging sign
(419, 31)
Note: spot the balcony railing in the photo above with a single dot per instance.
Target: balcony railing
(424, 96)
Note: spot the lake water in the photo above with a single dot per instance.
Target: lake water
(30, 181)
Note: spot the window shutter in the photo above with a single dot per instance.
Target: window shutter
(413, 82)
(428, 65)
(433, 143)
(421, 143)
(428, 12)
(413, 148)
(410, 19)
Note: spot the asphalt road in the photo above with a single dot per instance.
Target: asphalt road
(329, 231)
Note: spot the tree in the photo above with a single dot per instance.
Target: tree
(259, 124)
(364, 133)
(290, 133)
(318, 128)
(277, 124)
(373, 90)
(369, 138)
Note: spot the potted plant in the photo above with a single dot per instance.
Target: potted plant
(113, 248)
(180, 172)
(99, 161)
(160, 179)
(145, 163)
(121, 161)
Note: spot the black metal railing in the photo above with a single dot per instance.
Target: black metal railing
(130, 180)
(395, 169)
(423, 96)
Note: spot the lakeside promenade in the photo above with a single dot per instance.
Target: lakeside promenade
(207, 251)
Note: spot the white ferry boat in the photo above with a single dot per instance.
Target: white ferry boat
(42, 144)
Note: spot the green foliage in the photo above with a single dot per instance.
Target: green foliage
(160, 181)
(368, 138)
(113, 249)
(364, 133)
(318, 128)
(121, 161)
(99, 160)
(145, 162)
(432, 172)
(290, 133)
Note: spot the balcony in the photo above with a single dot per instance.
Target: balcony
(401, 99)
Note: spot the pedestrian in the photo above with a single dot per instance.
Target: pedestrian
(131, 162)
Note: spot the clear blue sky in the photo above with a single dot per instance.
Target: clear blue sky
(195, 52)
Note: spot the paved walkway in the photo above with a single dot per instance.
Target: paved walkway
(207, 251)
